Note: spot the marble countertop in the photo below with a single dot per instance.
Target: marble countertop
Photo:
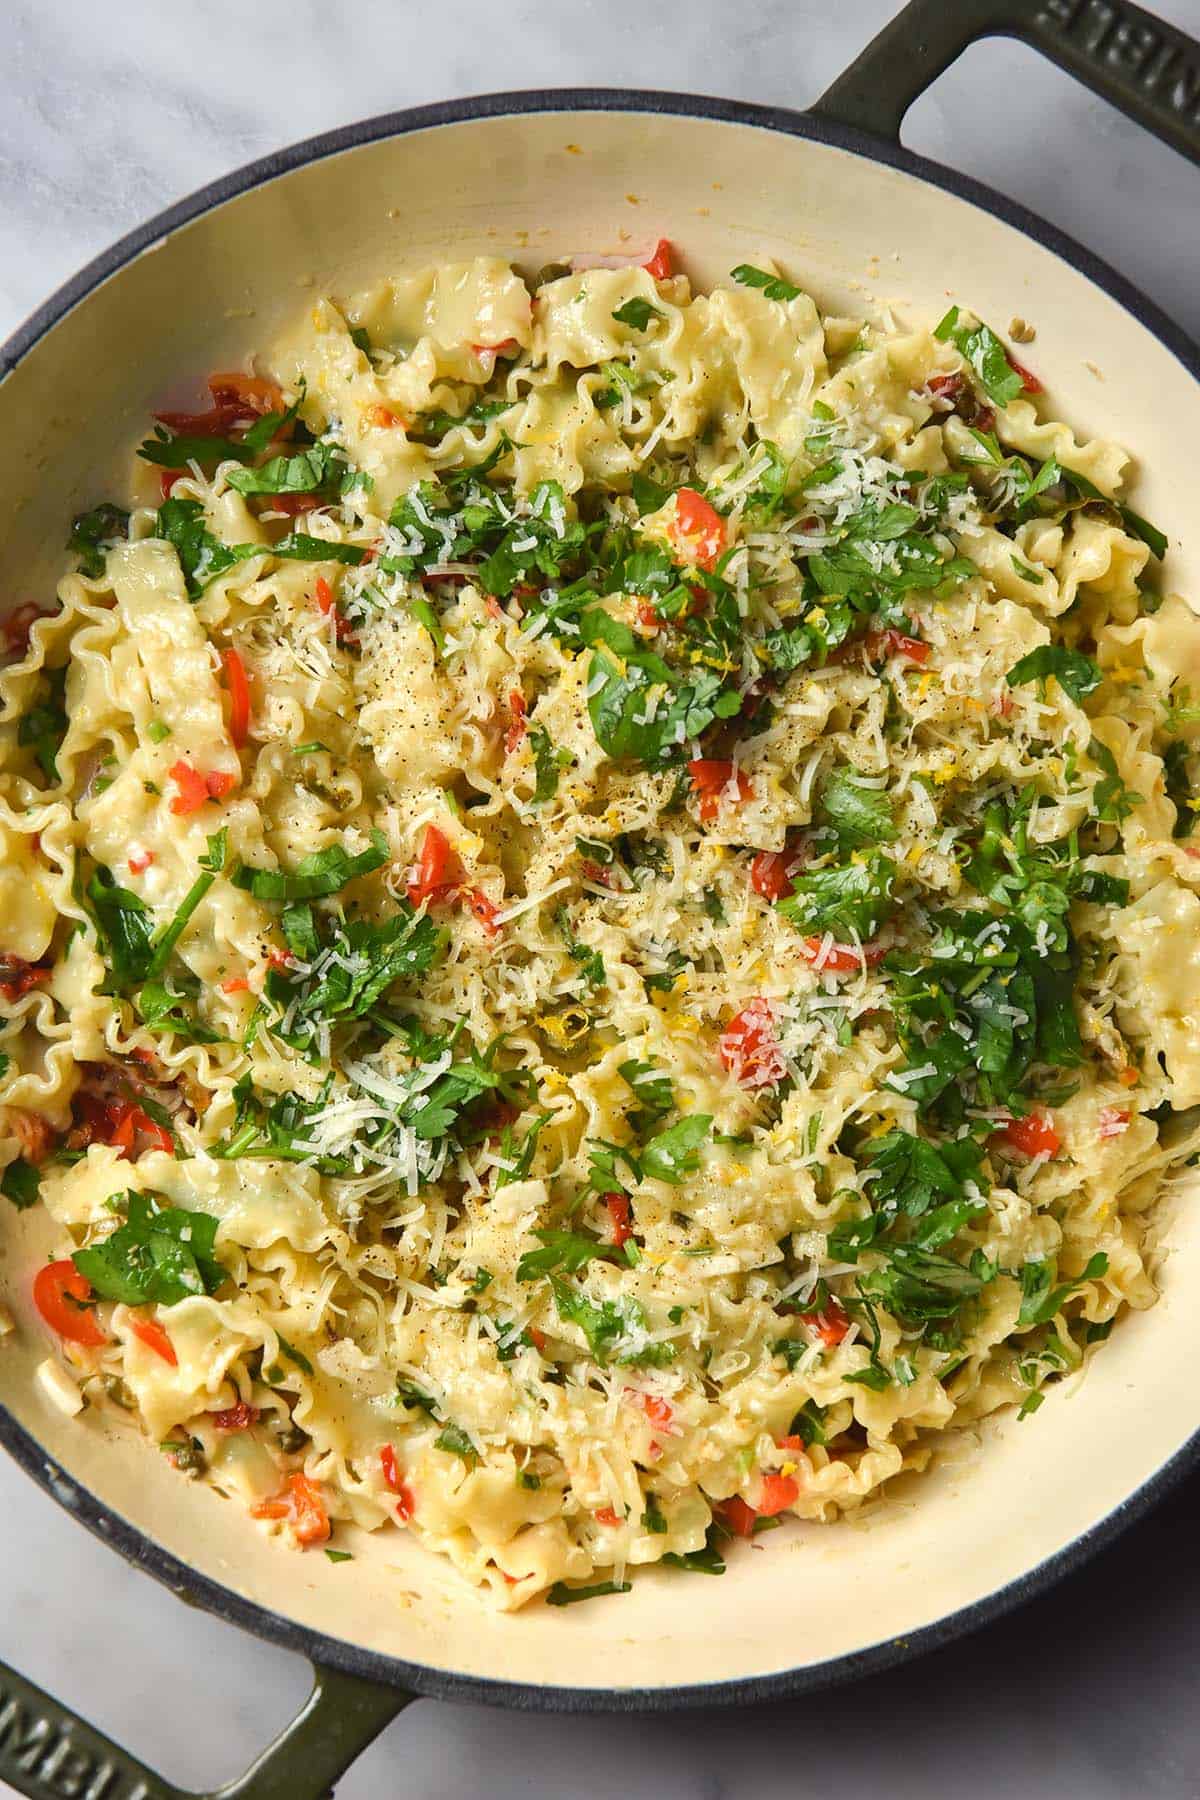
(109, 113)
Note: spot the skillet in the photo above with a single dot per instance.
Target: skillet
(860, 222)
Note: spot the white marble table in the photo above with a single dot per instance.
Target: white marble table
(107, 112)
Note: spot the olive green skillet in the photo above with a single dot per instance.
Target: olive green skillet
(531, 176)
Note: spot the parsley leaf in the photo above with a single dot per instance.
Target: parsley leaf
(1112, 800)
(637, 313)
(514, 1156)
(605, 1325)
(918, 1285)
(169, 450)
(1177, 779)
(159, 1255)
(320, 873)
(775, 287)
(987, 356)
(434, 425)
(911, 1171)
(212, 864)
(566, 1250)
(1075, 673)
(1133, 522)
(621, 379)
(638, 707)
(591, 962)
(1041, 1299)
(850, 899)
(20, 1183)
(675, 1152)
(125, 928)
(299, 547)
(165, 1008)
(876, 560)
(706, 1561)
(367, 958)
(321, 465)
(44, 726)
(436, 1109)
(273, 1376)
(413, 1400)
(202, 557)
(94, 532)
(547, 764)
(821, 630)
(517, 543)
(456, 1442)
(562, 1595)
(648, 495)
(654, 1093)
(858, 812)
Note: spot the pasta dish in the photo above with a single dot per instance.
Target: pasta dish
(599, 939)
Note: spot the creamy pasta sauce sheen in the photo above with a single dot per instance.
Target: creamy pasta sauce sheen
(582, 1007)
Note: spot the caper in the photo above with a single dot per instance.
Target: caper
(118, 1392)
(187, 1455)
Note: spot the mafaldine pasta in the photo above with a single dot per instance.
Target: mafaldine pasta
(599, 922)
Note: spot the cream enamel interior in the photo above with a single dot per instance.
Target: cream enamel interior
(858, 235)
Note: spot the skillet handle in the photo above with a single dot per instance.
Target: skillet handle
(1150, 70)
(49, 1753)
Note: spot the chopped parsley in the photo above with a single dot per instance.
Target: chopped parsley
(1074, 672)
(775, 287)
(158, 1255)
(637, 314)
(20, 1183)
(321, 873)
(559, 1594)
(982, 349)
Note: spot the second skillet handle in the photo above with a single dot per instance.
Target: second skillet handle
(1148, 69)
(48, 1753)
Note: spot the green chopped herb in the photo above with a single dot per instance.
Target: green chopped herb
(44, 726)
(321, 465)
(293, 1355)
(591, 962)
(1075, 673)
(775, 287)
(562, 1595)
(566, 1250)
(654, 1519)
(859, 812)
(159, 1255)
(320, 873)
(987, 356)
(850, 899)
(456, 1442)
(413, 1400)
(20, 1183)
(95, 532)
(637, 313)
(676, 1152)
(1041, 1298)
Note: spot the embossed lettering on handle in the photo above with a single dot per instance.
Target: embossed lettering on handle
(49, 1754)
(1147, 68)
(45, 1752)
(1134, 57)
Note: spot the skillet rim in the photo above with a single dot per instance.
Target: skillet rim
(134, 1545)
